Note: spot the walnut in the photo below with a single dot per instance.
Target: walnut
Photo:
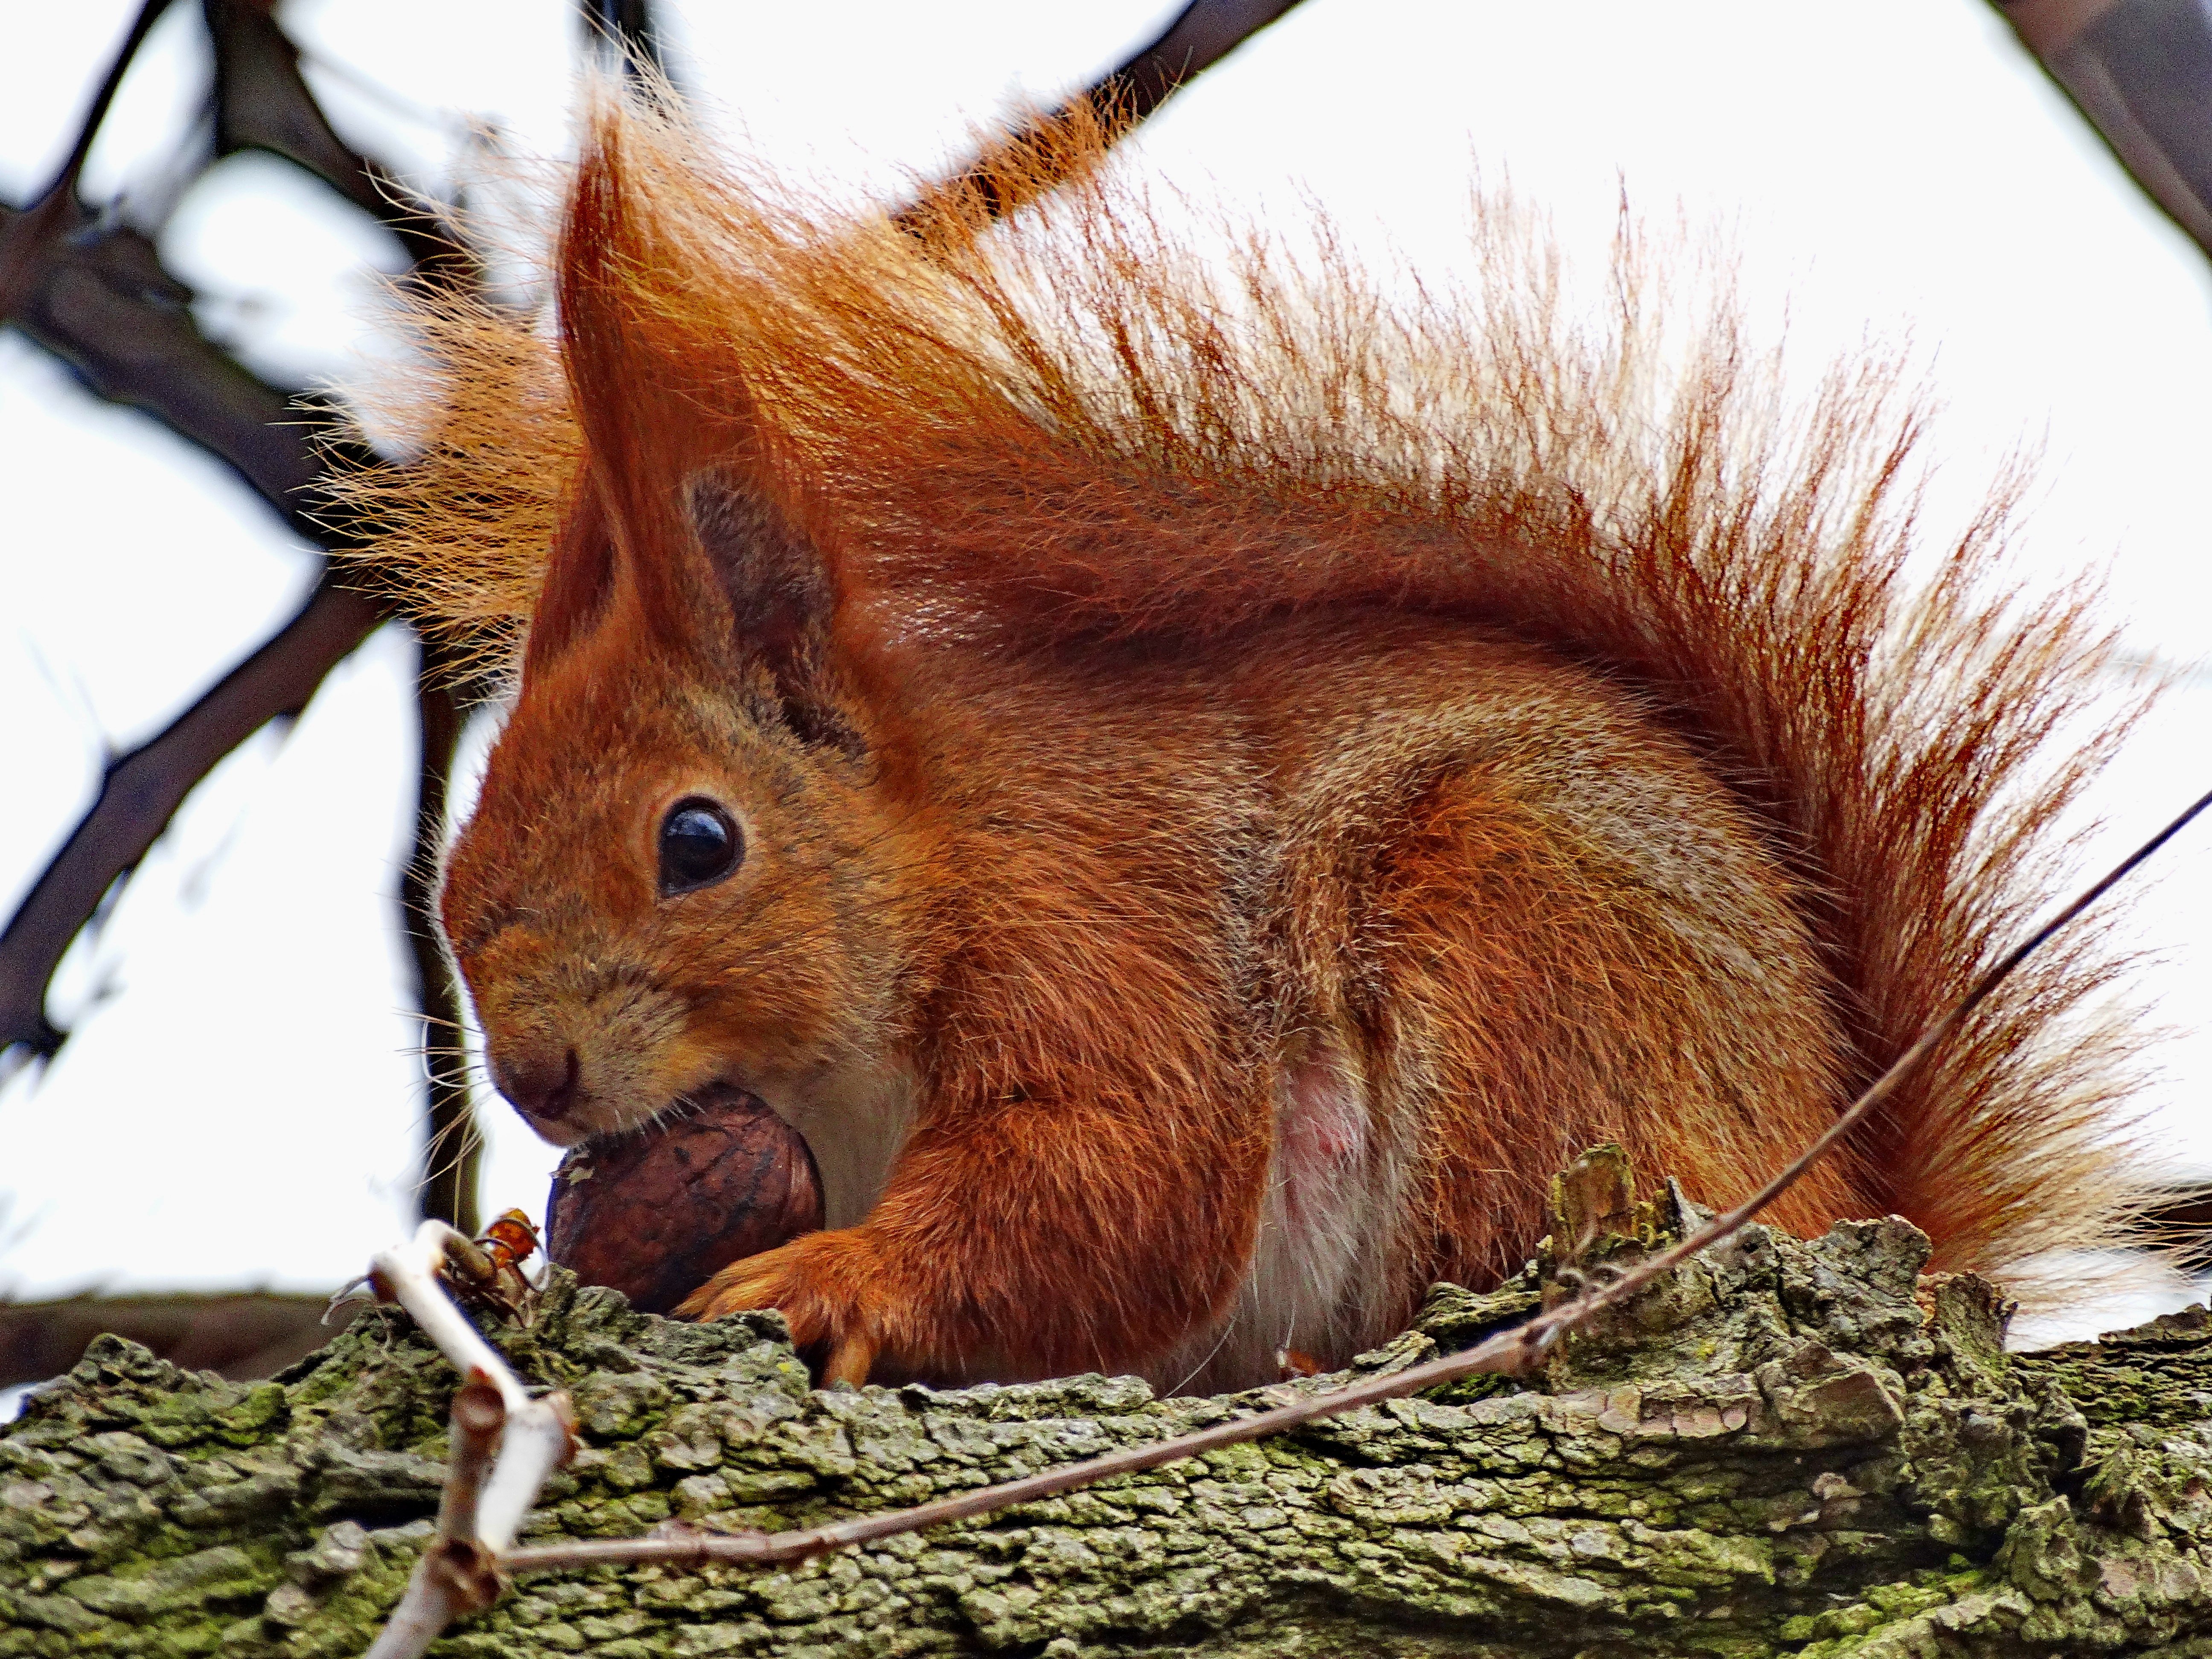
(656, 1213)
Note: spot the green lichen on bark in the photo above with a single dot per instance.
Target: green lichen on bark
(1787, 1446)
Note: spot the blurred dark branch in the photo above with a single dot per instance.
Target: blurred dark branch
(629, 27)
(253, 1334)
(2140, 71)
(263, 102)
(143, 788)
(72, 169)
(454, 1148)
(95, 296)
(1203, 34)
(25, 236)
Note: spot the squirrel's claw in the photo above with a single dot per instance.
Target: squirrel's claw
(821, 1285)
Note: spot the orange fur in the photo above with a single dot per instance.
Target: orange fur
(1241, 776)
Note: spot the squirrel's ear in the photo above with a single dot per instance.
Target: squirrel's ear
(676, 514)
(780, 600)
(633, 396)
(683, 532)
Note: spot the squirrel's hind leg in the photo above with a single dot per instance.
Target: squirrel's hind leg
(1566, 957)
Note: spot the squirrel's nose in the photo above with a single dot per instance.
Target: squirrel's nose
(542, 1085)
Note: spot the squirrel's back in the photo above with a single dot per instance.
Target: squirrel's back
(1506, 605)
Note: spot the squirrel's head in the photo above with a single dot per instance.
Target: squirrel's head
(676, 872)
(678, 868)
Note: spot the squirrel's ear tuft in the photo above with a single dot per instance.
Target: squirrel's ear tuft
(631, 388)
(683, 530)
(781, 601)
(627, 536)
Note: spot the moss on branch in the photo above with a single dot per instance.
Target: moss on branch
(1790, 1447)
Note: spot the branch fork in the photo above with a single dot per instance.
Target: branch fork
(506, 1444)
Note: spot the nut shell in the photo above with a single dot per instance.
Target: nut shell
(657, 1213)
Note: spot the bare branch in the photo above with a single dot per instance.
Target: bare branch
(1203, 34)
(2140, 71)
(628, 26)
(263, 102)
(479, 1517)
(98, 299)
(478, 1416)
(457, 1573)
(22, 237)
(143, 789)
(251, 1334)
(452, 1149)
(95, 295)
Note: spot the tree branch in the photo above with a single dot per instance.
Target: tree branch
(452, 1149)
(95, 296)
(628, 26)
(1790, 1443)
(2141, 72)
(247, 1333)
(1203, 34)
(263, 102)
(143, 788)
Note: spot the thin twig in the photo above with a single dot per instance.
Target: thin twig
(478, 1414)
(142, 790)
(479, 1514)
(1203, 34)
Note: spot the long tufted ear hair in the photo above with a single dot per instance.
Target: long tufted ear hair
(683, 529)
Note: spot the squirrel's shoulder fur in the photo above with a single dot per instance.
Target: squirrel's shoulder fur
(1073, 459)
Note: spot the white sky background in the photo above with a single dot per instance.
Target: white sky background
(239, 1108)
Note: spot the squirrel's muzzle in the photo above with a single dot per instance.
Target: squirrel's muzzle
(545, 1084)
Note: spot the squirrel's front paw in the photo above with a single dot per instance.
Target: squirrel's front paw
(830, 1287)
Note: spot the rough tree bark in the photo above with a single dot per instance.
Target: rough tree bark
(1787, 1446)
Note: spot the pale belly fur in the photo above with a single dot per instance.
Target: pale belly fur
(1317, 1284)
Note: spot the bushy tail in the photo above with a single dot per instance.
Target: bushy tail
(1083, 425)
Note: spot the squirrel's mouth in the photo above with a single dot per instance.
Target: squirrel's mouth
(569, 1097)
(572, 1115)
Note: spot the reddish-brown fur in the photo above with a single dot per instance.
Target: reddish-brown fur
(1242, 777)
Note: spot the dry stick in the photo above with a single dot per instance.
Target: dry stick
(1515, 1351)
(478, 1415)
(479, 1513)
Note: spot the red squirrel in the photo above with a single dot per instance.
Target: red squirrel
(1198, 785)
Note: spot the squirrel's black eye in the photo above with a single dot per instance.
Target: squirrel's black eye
(699, 845)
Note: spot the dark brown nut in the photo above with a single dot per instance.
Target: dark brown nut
(657, 1213)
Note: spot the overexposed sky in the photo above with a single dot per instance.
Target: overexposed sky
(238, 1104)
